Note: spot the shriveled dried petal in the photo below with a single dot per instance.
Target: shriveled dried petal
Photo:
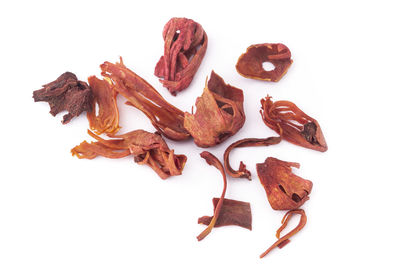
(219, 113)
(233, 212)
(297, 127)
(146, 148)
(184, 48)
(282, 241)
(285, 190)
(212, 160)
(66, 93)
(107, 119)
(250, 63)
(166, 118)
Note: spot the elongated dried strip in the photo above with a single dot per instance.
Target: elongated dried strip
(212, 160)
(166, 118)
(282, 241)
(107, 119)
(297, 127)
(233, 212)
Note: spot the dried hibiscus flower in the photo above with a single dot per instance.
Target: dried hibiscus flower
(104, 97)
(184, 48)
(146, 148)
(219, 113)
(250, 63)
(233, 212)
(297, 127)
(282, 241)
(166, 118)
(66, 93)
(285, 190)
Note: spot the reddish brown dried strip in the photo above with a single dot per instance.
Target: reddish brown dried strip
(233, 212)
(184, 48)
(250, 63)
(282, 241)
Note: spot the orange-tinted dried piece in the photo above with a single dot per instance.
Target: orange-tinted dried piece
(297, 127)
(233, 212)
(184, 48)
(166, 118)
(250, 63)
(285, 190)
(219, 113)
(282, 241)
(146, 148)
(107, 119)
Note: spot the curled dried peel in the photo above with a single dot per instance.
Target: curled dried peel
(250, 63)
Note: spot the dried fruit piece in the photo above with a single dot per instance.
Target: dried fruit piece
(212, 160)
(297, 127)
(219, 113)
(107, 119)
(233, 212)
(146, 148)
(166, 118)
(285, 190)
(250, 63)
(282, 241)
(184, 49)
(66, 93)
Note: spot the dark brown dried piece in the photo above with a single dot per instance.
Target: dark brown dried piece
(297, 127)
(283, 241)
(285, 190)
(250, 63)
(184, 48)
(166, 118)
(146, 148)
(219, 113)
(233, 212)
(66, 93)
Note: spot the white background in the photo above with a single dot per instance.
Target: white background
(58, 210)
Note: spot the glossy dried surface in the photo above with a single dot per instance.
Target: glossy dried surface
(285, 190)
(146, 148)
(297, 127)
(219, 113)
(250, 63)
(66, 93)
(233, 212)
(184, 48)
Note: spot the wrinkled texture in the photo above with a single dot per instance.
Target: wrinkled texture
(283, 241)
(285, 190)
(66, 93)
(212, 160)
(297, 127)
(184, 48)
(105, 98)
(166, 118)
(219, 113)
(250, 63)
(233, 212)
(146, 148)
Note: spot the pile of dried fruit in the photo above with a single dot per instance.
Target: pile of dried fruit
(219, 115)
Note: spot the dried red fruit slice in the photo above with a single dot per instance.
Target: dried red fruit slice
(250, 63)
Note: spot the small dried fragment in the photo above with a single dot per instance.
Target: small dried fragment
(146, 148)
(212, 160)
(250, 63)
(297, 127)
(219, 113)
(285, 190)
(184, 48)
(233, 212)
(66, 93)
(283, 241)
(107, 119)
